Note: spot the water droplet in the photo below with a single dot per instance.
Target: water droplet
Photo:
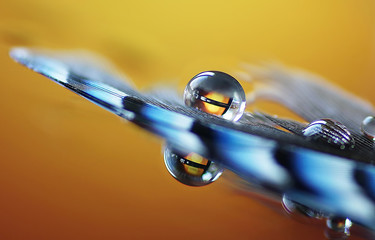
(338, 228)
(339, 224)
(293, 207)
(217, 93)
(192, 169)
(330, 131)
(368, 127)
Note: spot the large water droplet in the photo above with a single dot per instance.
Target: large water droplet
(216, 93)
(368, 127)
(192, 169)
(330, 131)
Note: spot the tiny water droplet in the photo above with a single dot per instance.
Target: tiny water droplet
(192, 169)
(330, 131)
(216, 93)
(339, 224)
(293, 207)
(338, 228)
(368, 127)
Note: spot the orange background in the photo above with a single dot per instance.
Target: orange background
(70, 170)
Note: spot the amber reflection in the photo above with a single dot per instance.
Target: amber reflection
(198, 168)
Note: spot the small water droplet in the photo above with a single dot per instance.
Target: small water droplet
(293, 207)
(216, 93)
(368, 127)
(338, 228)
(330, 131)
(192, 169)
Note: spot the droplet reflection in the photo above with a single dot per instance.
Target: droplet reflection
(216, 93)
(339, 224)
(368, 127)
(330, 131)
(192, 169)
(338, 228)
(293, 207)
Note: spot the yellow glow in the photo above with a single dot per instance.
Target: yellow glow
(213, 109)
(197, 159)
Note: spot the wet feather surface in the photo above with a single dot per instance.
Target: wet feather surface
(315, 174)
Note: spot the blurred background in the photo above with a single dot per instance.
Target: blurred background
(71, 170)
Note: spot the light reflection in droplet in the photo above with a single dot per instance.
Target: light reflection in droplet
(216, 93)
(192, 169)
(368, 127)
(338, 228)
(330, 131)
(293, 207)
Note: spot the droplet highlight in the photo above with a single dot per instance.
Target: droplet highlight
(338, 228)
(191, 169)
(216, 93)
(292, 207)
(330, 131)
(368, 127)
